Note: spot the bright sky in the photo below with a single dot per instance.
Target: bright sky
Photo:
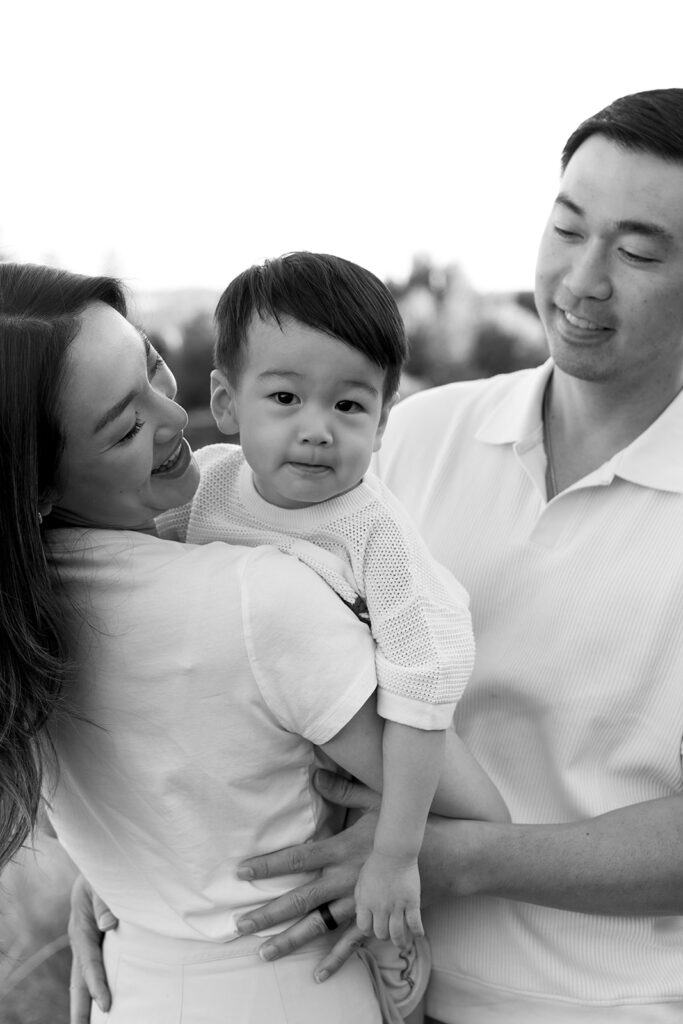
(176, 143)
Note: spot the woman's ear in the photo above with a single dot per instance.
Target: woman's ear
(386, 409)
(223, 406)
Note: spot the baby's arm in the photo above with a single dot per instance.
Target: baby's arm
(414, 761)
(411, 761)
(388, 889)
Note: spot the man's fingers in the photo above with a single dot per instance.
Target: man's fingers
(347, 944)
(310, 927)
(83, 991)
(296, 903)
(103, 915)
(79, 997)
(292, 861)
(339, 790)
(88, 979)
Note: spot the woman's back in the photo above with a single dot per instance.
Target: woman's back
(198, 667)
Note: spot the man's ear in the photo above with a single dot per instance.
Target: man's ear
(386, 409)
(223, 403)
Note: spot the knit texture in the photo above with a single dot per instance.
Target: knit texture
(362, 544)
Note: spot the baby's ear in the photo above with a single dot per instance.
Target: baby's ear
(386, 409)
(223, 406)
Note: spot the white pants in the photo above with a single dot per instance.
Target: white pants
(155, 980)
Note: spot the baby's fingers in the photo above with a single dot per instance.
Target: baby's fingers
(398, 932)
(414, 921)
(364, 921)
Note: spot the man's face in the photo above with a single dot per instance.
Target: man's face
(609, 277)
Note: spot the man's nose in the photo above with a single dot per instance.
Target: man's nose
(588, 275)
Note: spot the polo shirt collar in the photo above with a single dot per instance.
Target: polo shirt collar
(654, 459)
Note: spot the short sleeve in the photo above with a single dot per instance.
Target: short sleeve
(312, 658)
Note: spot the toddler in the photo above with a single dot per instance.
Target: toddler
(308, 359)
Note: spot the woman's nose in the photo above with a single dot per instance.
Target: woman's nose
(171, 419)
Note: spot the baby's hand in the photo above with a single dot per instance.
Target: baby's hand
(388, 898)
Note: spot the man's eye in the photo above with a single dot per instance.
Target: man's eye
(565, 233)
(635, 258)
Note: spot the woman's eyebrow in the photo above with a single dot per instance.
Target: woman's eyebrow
(119, 407)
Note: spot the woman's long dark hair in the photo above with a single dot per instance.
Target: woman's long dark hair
(39, 318)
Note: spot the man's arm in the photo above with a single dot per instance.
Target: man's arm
(626, 862)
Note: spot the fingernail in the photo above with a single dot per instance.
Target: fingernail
(267, 952)
(321, 976)
(246, 874)
(246, 927)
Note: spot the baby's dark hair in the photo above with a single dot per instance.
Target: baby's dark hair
(324, 292)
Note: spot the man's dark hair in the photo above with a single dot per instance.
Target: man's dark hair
(647, 122)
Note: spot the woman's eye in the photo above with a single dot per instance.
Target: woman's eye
(135, 429)
(347, 405)
(157, 364)
(284, 397)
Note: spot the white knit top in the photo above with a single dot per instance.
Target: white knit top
(363, 544)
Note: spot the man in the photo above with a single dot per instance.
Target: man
(556, 496)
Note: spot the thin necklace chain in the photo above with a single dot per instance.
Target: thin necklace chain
(550, 481)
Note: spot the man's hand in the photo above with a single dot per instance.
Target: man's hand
(339, 859)
(90, 917)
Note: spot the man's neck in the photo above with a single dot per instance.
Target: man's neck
(591, 421)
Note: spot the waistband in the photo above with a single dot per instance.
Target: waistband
(144, 944)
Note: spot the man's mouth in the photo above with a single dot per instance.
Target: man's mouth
(581, 323)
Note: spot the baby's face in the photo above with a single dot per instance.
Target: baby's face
(310, 411)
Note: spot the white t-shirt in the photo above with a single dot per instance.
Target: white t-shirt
(205, 677)
(575, 705)
(363, 544)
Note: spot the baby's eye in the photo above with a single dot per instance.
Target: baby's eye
(284, 397)
(347, 405)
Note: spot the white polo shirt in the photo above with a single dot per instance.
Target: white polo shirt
(575, 706)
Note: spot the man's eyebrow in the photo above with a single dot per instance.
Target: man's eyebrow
(115, 411)
(624, 227)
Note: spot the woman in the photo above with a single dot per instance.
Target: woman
(181, 744)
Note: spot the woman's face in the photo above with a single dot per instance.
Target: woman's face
(125, 459)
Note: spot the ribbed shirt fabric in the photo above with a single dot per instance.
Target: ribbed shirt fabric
(363, 544)
(575, 706)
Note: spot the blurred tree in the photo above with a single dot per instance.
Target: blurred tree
(192, 365)
(194, 362)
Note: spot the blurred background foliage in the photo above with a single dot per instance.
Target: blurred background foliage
(455, 333)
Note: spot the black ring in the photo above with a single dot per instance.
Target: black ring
(327, 917)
